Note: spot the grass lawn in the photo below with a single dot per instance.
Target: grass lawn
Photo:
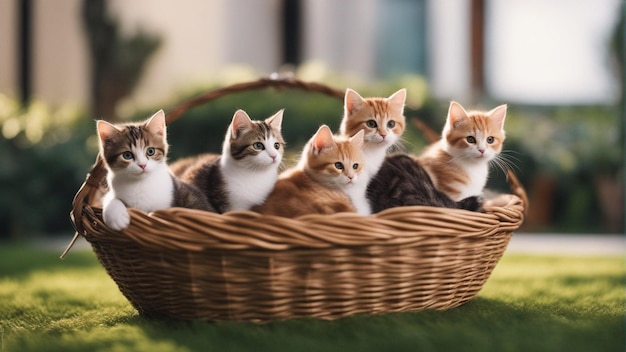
(530, 303)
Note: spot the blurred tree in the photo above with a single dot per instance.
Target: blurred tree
(117, 61)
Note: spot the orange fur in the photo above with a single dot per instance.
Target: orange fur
(315, 185)
(458, 163)
(358, 111)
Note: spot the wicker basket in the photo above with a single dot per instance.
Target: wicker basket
(189, 264)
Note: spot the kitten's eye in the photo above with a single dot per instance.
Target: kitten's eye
(490, 139)
(127, 155)
(391, 124)
(371, 124)
(276, 145)
(150, 151)
(355, 166)
(339, 166)
(258, 146)
(471, 139)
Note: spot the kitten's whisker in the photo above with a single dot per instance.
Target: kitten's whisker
(402, 144)
(508, 153)
(460, 157)
(510, 163)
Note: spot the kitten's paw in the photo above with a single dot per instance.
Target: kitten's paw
(115, 215)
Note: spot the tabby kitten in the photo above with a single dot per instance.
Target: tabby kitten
(134, 155)
(458, 164)
(247, 169)
(330, 166)
(382, 120)
(401, 182)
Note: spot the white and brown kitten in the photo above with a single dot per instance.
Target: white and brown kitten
(321, 183)
(382, 120)
(458, 164)
(247, 169)
(134, 155)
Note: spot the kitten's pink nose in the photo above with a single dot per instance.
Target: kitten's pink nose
(482, 151)
(143, 166)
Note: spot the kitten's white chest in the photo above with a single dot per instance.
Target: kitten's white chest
(358, 195)
(154, 192)
(374, 158)
(478, 174)
(246, 188)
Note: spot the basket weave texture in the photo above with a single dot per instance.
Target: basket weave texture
(189, 264)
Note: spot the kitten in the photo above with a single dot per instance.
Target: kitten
(328, 168)
(134, 155)
(382, 120)
(246, 171)
(458, 164)
(401, 182)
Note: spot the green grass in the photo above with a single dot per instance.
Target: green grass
(530, 303)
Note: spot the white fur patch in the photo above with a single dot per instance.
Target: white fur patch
(478, 173)
(358, 195)
(246, 188)
(148, 192)
(249, 181)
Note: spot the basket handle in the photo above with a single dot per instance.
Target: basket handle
(273, 81)
(86, 192)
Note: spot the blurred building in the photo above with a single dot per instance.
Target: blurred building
(527, 51)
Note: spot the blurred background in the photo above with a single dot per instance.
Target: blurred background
(557, 63)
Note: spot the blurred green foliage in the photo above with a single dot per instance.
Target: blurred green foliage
(44, 153)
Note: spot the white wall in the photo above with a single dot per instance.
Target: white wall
(551, 52)
(342, 34)
(449, 50)
(535, 53)
(200, 38)
(8, 48)
(60, 63)
(192, 38)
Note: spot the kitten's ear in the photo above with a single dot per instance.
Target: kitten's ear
(322, 139)
(357, 139)
(106, 129)
(276, 120)
(398, 99)
(156, 123)
(241, 121)
(456, 114)
(498, 115)
(352, 100)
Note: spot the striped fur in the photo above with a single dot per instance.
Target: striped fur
(247, 169)
(138, 176)
(401, 181)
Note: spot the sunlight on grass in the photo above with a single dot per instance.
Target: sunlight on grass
(587, 283)
(529, 303)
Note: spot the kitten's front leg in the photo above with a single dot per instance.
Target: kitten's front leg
(115, 214)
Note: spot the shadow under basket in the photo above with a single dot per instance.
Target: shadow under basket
(190, 264)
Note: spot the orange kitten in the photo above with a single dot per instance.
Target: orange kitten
(383, 122)
(382, 119)
(458, 164)
(329, 167)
